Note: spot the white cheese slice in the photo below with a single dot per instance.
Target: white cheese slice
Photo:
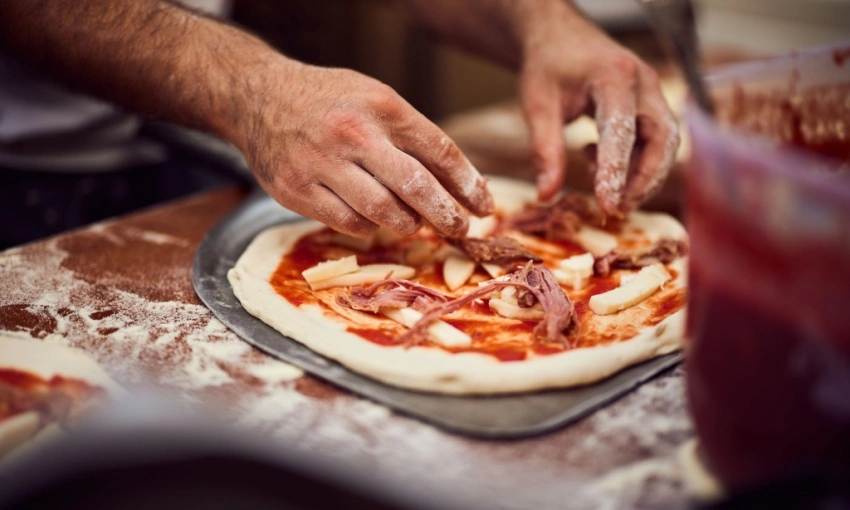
(439, 331)
(330, 269)
(647, 281)
(367, 274)
(355, 243)
(508, 295)
(494, 270)
(512, 311)
(626, 278)
(596, 241)
(575, 271)
(481, 227)
(50, 433)
(17, 429)
(456, 271)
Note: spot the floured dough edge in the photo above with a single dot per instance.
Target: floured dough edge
(432, 369)
(46, 361)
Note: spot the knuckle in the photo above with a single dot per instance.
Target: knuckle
(384, 92)
(354, 224)
(291, 185)
(385, 101)
(381, 204)
(650, 77)
(625, 66)
(448, 155)
(416, 183)
(299, 188)
(348, 127)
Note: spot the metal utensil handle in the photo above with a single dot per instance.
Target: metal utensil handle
(674, 22)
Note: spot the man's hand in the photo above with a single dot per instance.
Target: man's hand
(571, 68)
(328, 143)
(568, 67)
(347, 150)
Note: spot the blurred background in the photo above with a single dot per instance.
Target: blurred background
(375, 36)
(68, 161)
(474, 101)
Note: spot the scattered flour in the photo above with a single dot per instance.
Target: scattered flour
(107, 233)
(154, 237)
(617, 458)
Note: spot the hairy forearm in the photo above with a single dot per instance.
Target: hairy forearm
(498, 29)
(146, 55)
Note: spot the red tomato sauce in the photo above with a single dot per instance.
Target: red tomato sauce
(515, 339)
(768, 362)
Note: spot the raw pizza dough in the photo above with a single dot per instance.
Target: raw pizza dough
(45, 361)
(433, 369)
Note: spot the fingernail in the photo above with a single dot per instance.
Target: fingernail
(407, 226)
(542, 180)
(459, 226)
(545, 186)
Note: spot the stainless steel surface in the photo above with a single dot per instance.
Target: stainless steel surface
(504, 416)
(673, 21)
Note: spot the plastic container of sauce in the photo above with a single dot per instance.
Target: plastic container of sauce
(768, 211)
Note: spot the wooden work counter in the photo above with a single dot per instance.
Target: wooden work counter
(121, 290)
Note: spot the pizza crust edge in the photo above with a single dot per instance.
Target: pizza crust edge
(430, 369)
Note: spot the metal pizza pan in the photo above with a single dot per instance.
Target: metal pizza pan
(499, 416)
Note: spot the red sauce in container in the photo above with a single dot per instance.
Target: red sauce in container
(768, 364)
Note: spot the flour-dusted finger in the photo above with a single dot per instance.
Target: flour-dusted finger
(369, 197)
(417, 187)
(616, 109)
(658, 133)
(322, 204)
(434, 150)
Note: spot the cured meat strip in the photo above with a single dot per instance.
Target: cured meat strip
(663, 251)
(390, 293)
(558, 309)
(537, 281)
(499, 250)
(560, 220)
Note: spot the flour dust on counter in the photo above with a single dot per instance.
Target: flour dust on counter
(156, 333)
(134, 337)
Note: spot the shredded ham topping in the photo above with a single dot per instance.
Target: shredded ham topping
(395, 293)
(663, 251)
(499, 250)
(560, 220)
(390, 293)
